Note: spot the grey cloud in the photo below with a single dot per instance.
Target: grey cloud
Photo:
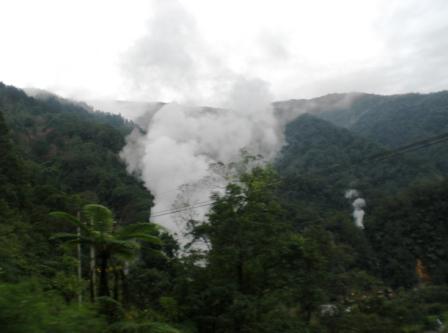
(413, 58)
(168, 59)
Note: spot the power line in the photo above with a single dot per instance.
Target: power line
(376, 157)
(213, 186)
(197, 205)
(388, 154)
(414, 146)
(180, 209)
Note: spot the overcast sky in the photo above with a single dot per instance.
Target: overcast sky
(169, 49)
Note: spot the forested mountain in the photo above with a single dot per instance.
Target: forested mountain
(321, 161)
(314, 146)
(59, 155)
(391, 121)
(72, 149)
(284, 254)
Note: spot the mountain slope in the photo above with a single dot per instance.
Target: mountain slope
(72, 149)
(315, 147)
(390, 121)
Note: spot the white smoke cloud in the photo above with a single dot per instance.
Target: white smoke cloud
(351, 194)
(358, 212)
(358, 207)
(181, 148)
(181, 145)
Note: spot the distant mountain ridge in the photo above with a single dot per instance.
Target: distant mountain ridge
(375, 121)
(367, 114)
(389, 121)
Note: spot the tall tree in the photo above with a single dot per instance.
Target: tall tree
(109, 240)
(246, 231)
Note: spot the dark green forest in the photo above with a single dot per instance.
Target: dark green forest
(284, 255)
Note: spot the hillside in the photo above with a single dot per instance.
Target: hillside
(319, 149)
(321, 162)
(73, 149)
(391, 121)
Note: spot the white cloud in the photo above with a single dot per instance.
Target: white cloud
(302, 48)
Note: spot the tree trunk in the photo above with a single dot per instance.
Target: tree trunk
(308, 313)
(92, 274)
(124, 284)
(116, 284)
(79, 252)
(104, 279)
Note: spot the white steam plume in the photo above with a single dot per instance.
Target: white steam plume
(181, 148)
(351, 194)
(358, 212)
(182, 144)
(358, 207)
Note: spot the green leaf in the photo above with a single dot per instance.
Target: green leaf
(71, 219)
(70, 238)
(100, 216)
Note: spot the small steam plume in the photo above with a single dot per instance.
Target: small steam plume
(181, 148)
(358, 207)
(351, 194)
(358, 212)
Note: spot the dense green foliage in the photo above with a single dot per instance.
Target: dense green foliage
(417, 218)
(59, 155)
(279, 251)
(314, 146)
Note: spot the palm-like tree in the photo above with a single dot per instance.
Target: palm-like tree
(106, 239)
